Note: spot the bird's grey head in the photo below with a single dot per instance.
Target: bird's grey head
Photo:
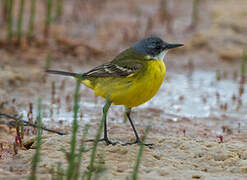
(154, 47)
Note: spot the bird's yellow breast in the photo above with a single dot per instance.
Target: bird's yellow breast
(133, 90)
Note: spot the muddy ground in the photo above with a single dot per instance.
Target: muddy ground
(198, 118)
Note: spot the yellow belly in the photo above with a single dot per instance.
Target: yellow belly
(133, 90)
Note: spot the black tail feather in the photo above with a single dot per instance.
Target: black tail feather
(64, 73)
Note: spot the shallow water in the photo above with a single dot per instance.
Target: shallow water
(201, 98)
(196, 96)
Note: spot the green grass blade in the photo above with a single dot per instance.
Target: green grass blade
(81, 151)
(48, 61)
(10, 20)
(95, 144)
(52, 172)
(59, 9)
(71, 166)
(22, 130)
(48, 18)
(218, 75)
(60, 171)
(100, 169)
(31, 19)
(5, 10)
(20, 19)
(139, 155)
(243, 65)
(195, 13)
(36, 157)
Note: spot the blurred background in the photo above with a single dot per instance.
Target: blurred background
(203, 95)
(91, 30)
(205, 79)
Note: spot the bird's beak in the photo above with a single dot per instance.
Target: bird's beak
(171, 46)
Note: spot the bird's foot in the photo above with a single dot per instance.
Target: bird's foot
(138, 141)
(107, 141)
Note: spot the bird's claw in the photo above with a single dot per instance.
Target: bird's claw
(150, 145)
(107, 141)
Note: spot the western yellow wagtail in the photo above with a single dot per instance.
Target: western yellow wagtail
(130, 79)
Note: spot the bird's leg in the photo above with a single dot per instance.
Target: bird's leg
(137, 141)
(128, 111)
(104, 118)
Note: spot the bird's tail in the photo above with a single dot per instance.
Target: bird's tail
(64, 73)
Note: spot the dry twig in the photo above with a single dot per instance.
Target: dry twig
(27, 123)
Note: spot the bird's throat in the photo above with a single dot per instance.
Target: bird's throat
(161, 56)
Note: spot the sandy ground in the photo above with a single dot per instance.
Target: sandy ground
(186, 143)
(172, 157)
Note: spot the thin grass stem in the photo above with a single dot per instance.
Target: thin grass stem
(95, 144)
(60, 171)
(30, 33)
(218, 75)
(20, 20)
(10, 20)
(22, 130)
(48, 61)
(195, 13)
(36, 157)
(59, 9)
(81, 151)
(72, 155)
(48, 18)
(243, 65)
(5, 10)
(139, 156)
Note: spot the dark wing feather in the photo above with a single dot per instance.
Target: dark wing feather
(113, 70)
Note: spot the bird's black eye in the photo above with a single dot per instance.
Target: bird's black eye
(157, 47)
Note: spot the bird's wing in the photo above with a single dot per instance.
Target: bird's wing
(111, 69)
(126, 63)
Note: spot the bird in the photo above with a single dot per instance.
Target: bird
(132, 78)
